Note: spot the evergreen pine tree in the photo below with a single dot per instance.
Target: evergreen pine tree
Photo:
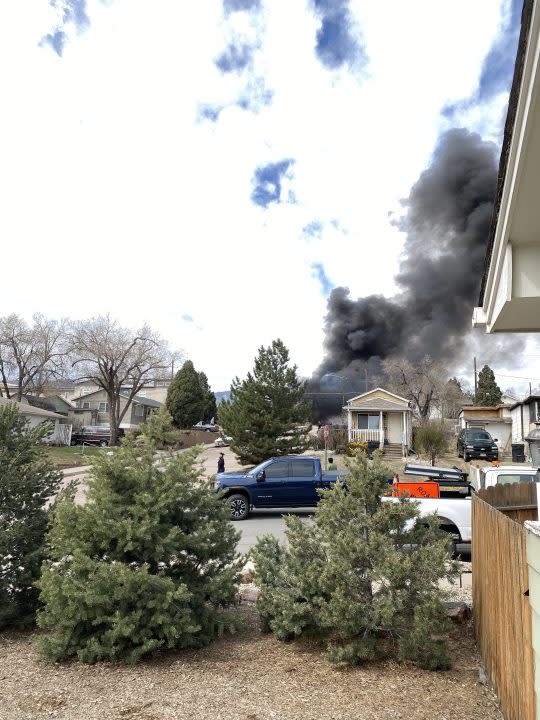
(488, 392)
(210, 410)
(27, 481)
(266, 410)
(149, 562)
(186, 399)
(364, 577)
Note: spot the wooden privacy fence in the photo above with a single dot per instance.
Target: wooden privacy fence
(502, 615)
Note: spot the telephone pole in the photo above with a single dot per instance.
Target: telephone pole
(475, 381)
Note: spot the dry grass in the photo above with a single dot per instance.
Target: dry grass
(249, 676)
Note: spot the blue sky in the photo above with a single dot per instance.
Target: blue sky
(216, 167)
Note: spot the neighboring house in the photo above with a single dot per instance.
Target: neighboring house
(496, 420)
(380, 416)
(525, 417)
(95, 409)
(61, 433)
(72, 390)
(54, 403)
(510, 290)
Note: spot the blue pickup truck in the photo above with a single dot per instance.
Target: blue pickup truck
(293, 481)
(281, 482)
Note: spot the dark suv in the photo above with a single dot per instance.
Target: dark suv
(477, 443)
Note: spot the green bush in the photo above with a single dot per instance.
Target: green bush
(27, 481)
(149, 562)
(431, 438)
(356, 446)
(159, 430)
(363, 578)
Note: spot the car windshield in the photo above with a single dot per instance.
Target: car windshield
(258, 468)
(478, 435)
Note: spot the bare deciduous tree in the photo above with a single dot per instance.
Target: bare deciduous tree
(421, 383)
(114, 357)
(31, 355)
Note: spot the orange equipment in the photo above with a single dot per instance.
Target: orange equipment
(421, 489)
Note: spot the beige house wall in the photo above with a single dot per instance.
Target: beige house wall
(533, 561)
(376, 395)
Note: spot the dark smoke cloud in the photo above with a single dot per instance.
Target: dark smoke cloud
(448, 214)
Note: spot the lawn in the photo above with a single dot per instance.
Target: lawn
(72, 456)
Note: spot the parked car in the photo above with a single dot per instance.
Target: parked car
(477, 443)
(222, 441)
(205, 427)
(93, 435)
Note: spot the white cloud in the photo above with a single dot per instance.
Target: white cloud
(117, 198)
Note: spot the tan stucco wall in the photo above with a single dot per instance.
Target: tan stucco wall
(377, 394)
(533, 560)
(484, 412)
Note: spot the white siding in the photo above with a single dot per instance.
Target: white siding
(517, 429)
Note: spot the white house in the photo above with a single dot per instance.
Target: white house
(510, 290)
(380, 416)
(525, 417)
(61, 429)
(496, 420)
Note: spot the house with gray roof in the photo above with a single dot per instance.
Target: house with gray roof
(61, 427)
(93, 409)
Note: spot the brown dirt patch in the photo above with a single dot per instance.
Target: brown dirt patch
(249, 676)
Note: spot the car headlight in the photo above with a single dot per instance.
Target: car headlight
(469, 447)
(217, 485)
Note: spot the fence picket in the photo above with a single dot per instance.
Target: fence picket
(502, 615)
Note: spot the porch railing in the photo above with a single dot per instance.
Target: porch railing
(365, 435)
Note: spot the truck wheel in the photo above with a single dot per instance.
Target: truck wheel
(103, 443)
(465, 456)
(239, 506)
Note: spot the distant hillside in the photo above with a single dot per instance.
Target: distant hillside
(223, 395)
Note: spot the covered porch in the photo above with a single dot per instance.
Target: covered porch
(380, 417)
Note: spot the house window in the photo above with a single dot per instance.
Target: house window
(139, 410)
(103, 407)
(534, 411)
(86, 406)
(368, 422)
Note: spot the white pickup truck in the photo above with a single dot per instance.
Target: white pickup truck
(455, 514)
(489, 475)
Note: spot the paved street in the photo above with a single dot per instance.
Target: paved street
(258, 523)
(261, 522)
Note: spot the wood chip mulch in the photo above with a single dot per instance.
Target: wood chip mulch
(249, 676)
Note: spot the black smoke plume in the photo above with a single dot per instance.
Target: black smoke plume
(447, 218)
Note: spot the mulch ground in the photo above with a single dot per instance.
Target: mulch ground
(249, 676)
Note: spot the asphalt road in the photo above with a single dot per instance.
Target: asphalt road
(261, 522)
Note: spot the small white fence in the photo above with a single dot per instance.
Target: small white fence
(367, 435)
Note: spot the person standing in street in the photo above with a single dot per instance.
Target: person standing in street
(221, 463)
(331, 464)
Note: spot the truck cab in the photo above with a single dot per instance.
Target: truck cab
(291, 481)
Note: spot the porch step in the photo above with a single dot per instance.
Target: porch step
(392, 451)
